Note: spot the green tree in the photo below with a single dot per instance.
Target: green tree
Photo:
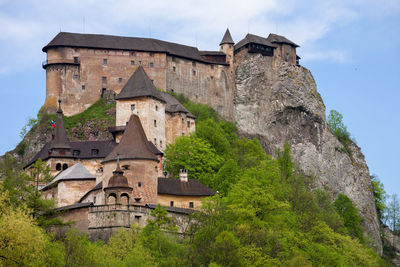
(380, 196)
(195, 155)
(393, 213)
(345, 208)
(335, 122)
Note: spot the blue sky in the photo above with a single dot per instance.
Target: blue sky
(351, 47)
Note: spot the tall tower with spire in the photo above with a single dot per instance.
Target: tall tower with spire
(227, 46)
(60, 146)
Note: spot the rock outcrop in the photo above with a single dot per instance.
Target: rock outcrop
(278, 102)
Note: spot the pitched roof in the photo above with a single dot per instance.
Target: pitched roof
(227, 39)
(100, 41)
(60, 138)
(139, 85)
(171, 186)
(134, 143)
(155, 150)
(75, 172)
(118, 179)
(251, 38)
(103, 147)
(275, 38)
(174, 106)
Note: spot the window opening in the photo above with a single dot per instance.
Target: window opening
(104, 61)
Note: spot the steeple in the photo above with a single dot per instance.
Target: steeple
(139, 85)
(60, 142)
(133, 145)
(227, 39)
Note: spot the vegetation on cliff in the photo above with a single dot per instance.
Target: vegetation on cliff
(264, 215)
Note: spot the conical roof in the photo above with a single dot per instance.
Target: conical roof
(139, 85)
(227, 39)
(134, 144)
(60, 139)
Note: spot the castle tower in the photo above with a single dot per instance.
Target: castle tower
(59, 146)
(227, 47)
(118, 190)
(139, 96)
(137, 160)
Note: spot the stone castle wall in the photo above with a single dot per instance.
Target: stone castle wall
(178, 124)
(210, 84)
(180, 201)
(80, 84)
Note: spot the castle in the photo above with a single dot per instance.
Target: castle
(124, 176)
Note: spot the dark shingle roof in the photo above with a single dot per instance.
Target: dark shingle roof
(174, 106)
(99, 41)
(170, 186)
(251, 38)
(60, 137)
(155, 150)
(118, 179)
(227, 39)
(173, 209)
(104, 147)
(279, 39)
(134, 143)
(75, 206)
(139, 85)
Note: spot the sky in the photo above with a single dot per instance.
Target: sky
(351, 47)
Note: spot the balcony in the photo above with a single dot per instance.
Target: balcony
(75, 61)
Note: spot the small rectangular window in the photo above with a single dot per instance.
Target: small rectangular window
(76, 60)
(151, 65)
(104, 79)
(160, 143)
(191, 205)
(171, 203)
(188, 123)
(83, 87)
(140, 62)
(156, 108)
(94, 200)
(75, 76)
(132, 62)
(76, 153)
(104, 61)
(120, 80)
(174, 68)
(95, 152)
(133, 107)
(155, 123)
(194, 72)
(152, 54)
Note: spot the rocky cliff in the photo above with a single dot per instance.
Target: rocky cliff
(278, 102)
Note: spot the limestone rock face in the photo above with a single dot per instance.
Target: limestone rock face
(278, 102)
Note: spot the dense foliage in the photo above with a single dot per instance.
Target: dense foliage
(264, 215)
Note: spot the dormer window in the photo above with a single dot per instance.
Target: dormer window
(76, 153)
(95, 152)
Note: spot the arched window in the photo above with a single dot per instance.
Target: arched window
(65, 166)
(124, 199)
(58, 167)
(112, 198)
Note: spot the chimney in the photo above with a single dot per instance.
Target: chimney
(183, 175)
